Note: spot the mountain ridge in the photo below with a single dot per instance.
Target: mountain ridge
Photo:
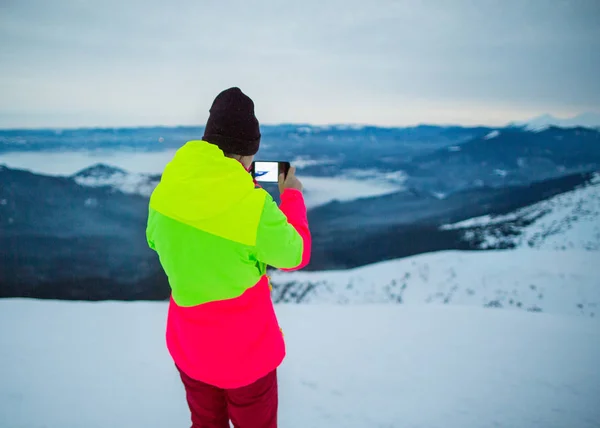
(570, 220)
(586, 119)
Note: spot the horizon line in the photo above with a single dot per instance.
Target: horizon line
(512, 123)
(266, 125)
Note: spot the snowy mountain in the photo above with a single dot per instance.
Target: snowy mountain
(586, 120)
(567, 221)
(101, 175)
(537, 275)
(530, 280)
(98, 365)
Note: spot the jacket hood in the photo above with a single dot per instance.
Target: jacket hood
(200, 183)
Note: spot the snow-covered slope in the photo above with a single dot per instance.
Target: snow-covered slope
(100, 175)
(568, 221)
(531, 280)
(98, 365)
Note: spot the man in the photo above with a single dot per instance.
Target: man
(215, 231)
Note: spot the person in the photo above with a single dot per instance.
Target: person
(215, 230)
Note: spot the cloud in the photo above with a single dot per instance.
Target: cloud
(75, 62)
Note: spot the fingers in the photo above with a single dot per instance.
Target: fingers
(292, 171)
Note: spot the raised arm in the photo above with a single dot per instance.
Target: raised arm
(283, 238)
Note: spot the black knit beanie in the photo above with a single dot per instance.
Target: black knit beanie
(232, 125)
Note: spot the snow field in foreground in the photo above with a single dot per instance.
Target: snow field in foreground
(71, 364)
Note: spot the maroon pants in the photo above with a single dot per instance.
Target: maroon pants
(252, 406)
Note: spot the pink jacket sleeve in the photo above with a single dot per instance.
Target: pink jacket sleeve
(292, 205)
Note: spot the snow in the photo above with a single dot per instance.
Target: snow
(492, 134)
(563, 283)
(501, 172)
(454, 149)
(567, 221)
(588, 120)
(96, 365)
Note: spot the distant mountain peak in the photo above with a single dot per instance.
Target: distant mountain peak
(539, 123)
(101, 175)
(100, 170)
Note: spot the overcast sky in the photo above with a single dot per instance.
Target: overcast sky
(66, 63)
